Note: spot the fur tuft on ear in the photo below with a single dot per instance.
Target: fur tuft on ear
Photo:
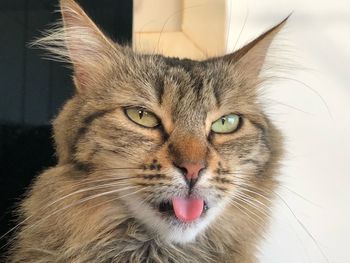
(77, 40)
(252, 56)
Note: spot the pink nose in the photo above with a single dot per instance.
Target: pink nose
(191, 171)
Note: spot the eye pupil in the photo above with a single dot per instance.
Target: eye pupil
(226, 124)
(142, 117)
(141, 112)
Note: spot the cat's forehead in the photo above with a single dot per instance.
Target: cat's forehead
(188, 86)
(185, 86)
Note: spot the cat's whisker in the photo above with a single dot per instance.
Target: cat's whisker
(242, 29)
(117, 168)
(114, 183)
(311, 89)
(241, 173)
(251, 204)
(62, 198)
(97, 187)
(299, 195)
(294, 216)
(243, 187)
(156, 47)
(258, 204)
(111, 179)
(248, 202)
(290, 106)
(49, 205)
(114, 199)
(304, 228)
(229, 26)
(80, 202)
(61, 209)
(82, 181)
(241, 207)
(138, 46)
(267, 198)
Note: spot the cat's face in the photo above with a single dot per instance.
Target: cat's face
(191, 133)
(185, 137)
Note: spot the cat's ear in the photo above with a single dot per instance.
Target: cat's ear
(88, 48)
(251, 57)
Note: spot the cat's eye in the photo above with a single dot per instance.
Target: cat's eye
(226, 124)
(142, 117)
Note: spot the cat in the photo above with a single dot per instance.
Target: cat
(159, 159)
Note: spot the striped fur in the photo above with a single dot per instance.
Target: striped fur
(99, 203)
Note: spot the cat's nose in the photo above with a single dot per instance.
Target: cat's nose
(191, 172)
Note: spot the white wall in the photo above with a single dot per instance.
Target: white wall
(312, 107)
(317, 166)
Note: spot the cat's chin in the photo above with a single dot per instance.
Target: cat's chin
(166, 225)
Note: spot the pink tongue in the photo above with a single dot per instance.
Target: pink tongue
(188, 210)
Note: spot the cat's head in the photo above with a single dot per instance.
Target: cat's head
(186, 142)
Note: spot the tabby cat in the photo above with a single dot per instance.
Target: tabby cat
(159, 159)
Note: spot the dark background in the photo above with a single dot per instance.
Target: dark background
(33, 89)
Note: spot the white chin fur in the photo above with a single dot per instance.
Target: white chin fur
(170, 231)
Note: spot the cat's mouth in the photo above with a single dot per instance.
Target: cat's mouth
(184, 209)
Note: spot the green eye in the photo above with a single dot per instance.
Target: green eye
(142, 117)
(226, 124)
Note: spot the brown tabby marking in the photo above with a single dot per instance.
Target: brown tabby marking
(105, 201)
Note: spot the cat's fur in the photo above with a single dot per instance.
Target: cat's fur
(86, 209)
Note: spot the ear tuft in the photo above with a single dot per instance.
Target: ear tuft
(252, 56)
(79, 41)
